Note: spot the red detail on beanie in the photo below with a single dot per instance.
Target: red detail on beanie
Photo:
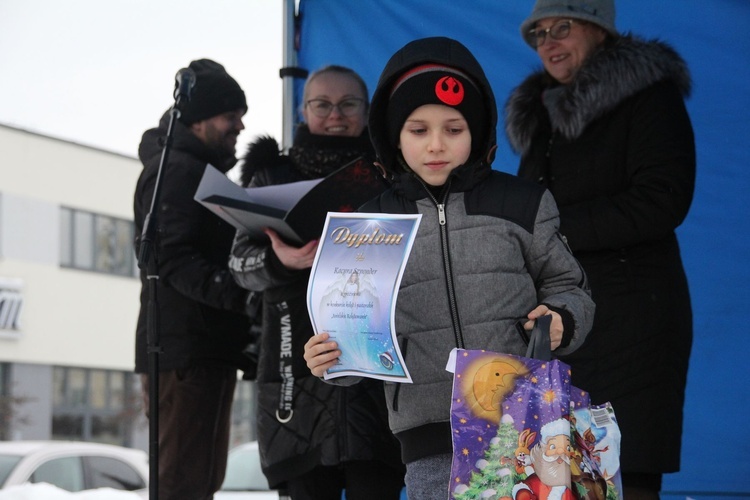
(449, 90)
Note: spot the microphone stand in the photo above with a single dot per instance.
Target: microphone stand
(148, 259)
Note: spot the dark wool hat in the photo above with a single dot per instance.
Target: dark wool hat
(437, 84)
(215, 92)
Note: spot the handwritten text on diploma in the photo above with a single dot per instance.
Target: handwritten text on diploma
(344, 235)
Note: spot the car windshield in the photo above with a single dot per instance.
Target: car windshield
(7, 463)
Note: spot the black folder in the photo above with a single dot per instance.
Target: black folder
(297, 210)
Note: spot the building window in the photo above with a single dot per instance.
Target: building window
(83, 240)
(6, 402)
(96, 242)
(94, 405)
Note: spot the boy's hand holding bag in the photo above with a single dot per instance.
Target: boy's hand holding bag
(522, 432)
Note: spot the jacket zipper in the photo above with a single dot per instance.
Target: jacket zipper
(546, 174)
(447, 266)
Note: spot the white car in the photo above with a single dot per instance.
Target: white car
(73, 466)
(244, 479)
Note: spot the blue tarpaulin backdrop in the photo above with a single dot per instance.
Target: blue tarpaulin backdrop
(713, 37)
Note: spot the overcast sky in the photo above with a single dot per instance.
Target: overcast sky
(100, 72)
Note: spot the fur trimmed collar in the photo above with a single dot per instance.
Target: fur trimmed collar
(312, 155)
(612, 74)
(263, 152)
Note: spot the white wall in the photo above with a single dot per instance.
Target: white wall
(69, 317)
(29, 230)
(66, 173)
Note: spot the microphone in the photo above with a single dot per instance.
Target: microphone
(184, 83)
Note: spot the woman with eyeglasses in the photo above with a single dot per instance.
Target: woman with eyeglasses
(604, 127)
(316, 439)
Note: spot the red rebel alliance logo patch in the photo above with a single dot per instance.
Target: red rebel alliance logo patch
(449, 90)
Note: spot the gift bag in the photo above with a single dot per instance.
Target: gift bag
(522, 432)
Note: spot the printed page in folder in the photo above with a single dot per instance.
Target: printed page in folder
(297, 210)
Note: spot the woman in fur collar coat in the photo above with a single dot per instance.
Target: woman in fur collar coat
(605, 129)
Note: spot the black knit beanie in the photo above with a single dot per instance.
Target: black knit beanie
(215, 92)
(437, 84)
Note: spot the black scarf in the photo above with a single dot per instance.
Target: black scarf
(314, 156)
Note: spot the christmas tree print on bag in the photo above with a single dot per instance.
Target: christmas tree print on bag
(522, 432)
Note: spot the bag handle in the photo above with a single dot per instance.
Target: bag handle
(539, 343)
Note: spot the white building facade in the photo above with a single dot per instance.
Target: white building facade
(69, 293)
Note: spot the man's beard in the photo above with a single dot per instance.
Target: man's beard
(550, 473)
(226, 144)
(222, 142)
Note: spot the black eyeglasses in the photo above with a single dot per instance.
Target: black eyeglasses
(348, 107)
(561, 29)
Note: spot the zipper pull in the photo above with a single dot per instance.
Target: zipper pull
(441, 213)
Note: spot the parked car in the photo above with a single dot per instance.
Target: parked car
(73, 466)
(244, 479)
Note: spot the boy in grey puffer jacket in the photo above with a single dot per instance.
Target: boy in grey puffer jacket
(487, 257)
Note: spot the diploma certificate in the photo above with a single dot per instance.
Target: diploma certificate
(352, 290)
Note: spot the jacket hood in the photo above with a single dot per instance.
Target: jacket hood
(611, 75)
(436, 50)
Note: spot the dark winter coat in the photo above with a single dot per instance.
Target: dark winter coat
(472, 276)
(302, 421)
(615, 147)
(201, 308)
